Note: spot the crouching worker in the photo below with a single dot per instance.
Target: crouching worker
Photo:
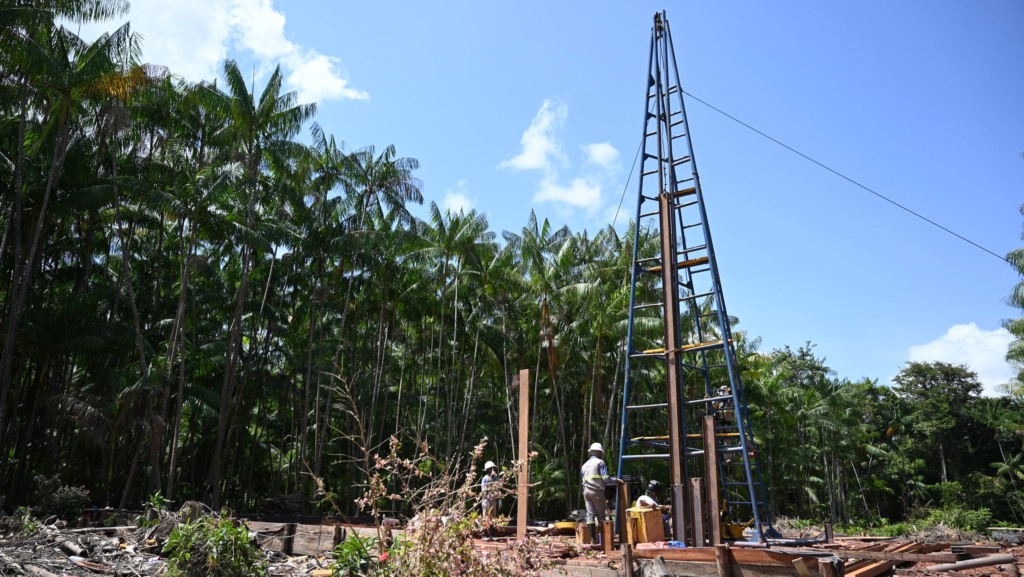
(650, 500)
(595, 478)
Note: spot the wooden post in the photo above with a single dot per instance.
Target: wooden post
(339, 535)
(711, 476)
(288, 544)
(627, 558)
(828, 533)
(722, 560)
(523, 487)
(827, 567)
(607, 537)
(623, 518)
(698, 512)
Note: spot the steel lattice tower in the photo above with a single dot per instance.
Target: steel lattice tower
(683, 399)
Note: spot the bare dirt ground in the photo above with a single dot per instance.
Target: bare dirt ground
(58, 551)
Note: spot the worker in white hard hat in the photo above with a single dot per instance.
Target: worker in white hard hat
(595, 478)
(490, 497)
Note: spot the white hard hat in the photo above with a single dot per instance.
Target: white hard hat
(597, 447)
(489, 465)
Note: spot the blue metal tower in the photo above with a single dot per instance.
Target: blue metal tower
(683, 400)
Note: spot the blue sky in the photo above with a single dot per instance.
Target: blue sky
(538, 105)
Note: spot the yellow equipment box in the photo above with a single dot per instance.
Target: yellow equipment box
(644, 525)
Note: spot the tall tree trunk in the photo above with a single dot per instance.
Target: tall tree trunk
(178, 335)
(942, 462)
(24, 270)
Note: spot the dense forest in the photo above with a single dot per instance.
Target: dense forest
(205, 296)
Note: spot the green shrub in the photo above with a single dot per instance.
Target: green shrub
(62, 501)
(951, 495)
(895, 530)
(962, 519)
(213, 547)
(355, 556)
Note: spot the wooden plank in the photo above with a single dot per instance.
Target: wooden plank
(523, 484)
(873, 570)
(273, 536)
(312, 539)
(607, 536)
(765, 557)
(711, 475)
(894, 556)
(975, 549)
(859, 564)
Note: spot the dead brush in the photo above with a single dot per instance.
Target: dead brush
(443, 498)
(438, 540)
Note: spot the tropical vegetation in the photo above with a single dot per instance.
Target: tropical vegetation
(206, 296)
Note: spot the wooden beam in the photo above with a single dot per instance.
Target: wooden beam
(624, 503)
(711, 476)
(523, 484)
(698, 511)
(737, 556)
(893, 556)
(722, 560)
(627, 559)
(873, 570)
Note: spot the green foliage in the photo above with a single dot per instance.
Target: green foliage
(355, 556)
(196, 249)
(950, 495)
(213, 547)
(894, 530)
(157, 502)
(20, 522)
(62, 501)
(958, 518)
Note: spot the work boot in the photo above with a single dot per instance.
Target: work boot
(593, 533)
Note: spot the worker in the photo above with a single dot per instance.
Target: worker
(650, 498)
(490, 499)
(594, 474)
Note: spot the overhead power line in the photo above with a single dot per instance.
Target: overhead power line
(844, 177)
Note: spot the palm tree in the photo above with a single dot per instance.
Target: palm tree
(256, 129)
(67, 72)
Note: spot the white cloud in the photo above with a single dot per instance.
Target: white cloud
(260, 28)
(542, 150)
(602, 154)
(457, 200)
(540, 141)
(984, 352)
(315, 78)
(579, 193)
(193, 37)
